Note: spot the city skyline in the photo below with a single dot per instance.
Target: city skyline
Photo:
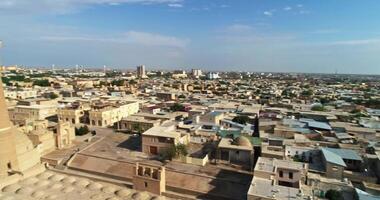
(276, 36)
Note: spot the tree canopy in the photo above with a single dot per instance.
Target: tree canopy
(177, 107)
(241, 119)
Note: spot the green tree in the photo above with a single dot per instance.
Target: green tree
(83, 130)
(174, 151)
(181, 96)
(168, 153)
(181, 150)
(53, 96)
(177, 107)
(318, 108)
(118, 82)
(41, 83)
(307, 93)
(132, 82)
(241, 119)
(324, 100)
(333, 195)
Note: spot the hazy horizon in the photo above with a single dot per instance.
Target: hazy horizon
(254, 35)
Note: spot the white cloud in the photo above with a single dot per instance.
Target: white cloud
(155, 39)
(325, 31)
(64, 6)
(357, 42)
(175, 5)
(238, 28)
(224, 6)
(303, 12)
(130, 37)
(299, 5)
(268, 13)
(287, 8)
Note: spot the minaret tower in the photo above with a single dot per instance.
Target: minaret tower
(8, 155)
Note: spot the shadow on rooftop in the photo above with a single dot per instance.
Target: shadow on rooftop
(228, 185)
(132, 143)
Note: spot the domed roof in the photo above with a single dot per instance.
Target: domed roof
(242, 141)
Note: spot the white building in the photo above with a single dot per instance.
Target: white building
(196, 73)
(213, 75)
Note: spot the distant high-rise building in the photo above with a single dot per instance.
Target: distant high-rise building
(141, 71)
(196, 73)
(212, 75)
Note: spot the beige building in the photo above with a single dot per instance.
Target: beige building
(149, 178)
(70, 114)
(138, 124)
(20, 94)
(65, 135)
(158, 139)
(110, 115)
(46, 137)
(166, 96)
(83, 83)
(38, 133)
(277, 179)
(238, 151)
(212, 117)
(21, 115)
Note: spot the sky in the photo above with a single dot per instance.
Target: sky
(314, 36)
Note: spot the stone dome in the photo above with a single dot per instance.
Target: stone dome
(67, 189)
(45, 175)
(38, 194)
(123, 192)
(81, 183)
(109, 189)
(158, 198)
(113, 198)
(24, 190)
(94, 186)
(42, 183)
(30, 181)
(11, 188)
(69, 180)
(242, 141)
(55, 186)
(57, 177)
(140, 195)
(7, 198)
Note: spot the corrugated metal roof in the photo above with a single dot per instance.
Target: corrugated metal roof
(319, 125)
(337, 155)
(332, 157)
(365, 196)
(346, 153)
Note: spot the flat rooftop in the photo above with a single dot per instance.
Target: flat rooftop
(133, 118)
(266, 189)
(270, 164)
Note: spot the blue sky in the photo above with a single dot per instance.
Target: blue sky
(246, 35)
